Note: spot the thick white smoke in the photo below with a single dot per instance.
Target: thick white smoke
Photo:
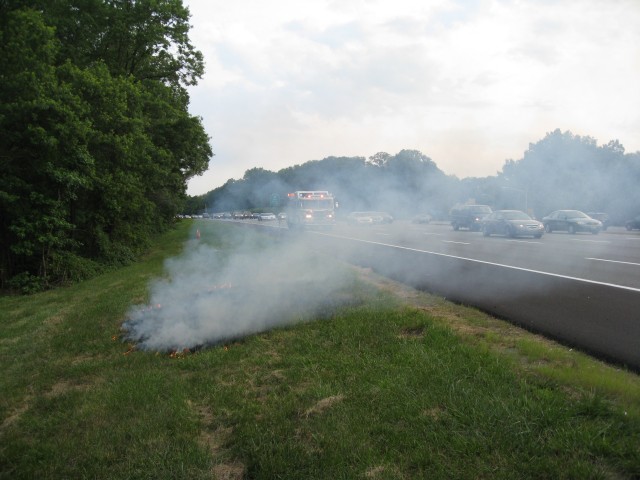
(209, 296)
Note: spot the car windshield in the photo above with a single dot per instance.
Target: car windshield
(317, 204)
(480, 209)
(575, 214)
(516, 215)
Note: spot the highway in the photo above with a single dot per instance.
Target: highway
(611, 257)
(582, 289)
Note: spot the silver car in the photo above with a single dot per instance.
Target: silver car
(512, 223)
(369, 218)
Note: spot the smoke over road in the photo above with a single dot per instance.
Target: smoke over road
(209, 296)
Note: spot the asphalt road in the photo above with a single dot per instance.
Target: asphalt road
(581, 289)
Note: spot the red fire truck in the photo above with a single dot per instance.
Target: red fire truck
(310, 208)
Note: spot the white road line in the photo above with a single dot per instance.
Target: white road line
(459, 243)
(557, 275)
(524, 241)
(612, 261)
(591, 241)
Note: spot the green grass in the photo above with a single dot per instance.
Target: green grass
(387, 387)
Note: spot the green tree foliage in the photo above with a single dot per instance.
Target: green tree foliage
(403, 184)
(564, 170)
(97, 142)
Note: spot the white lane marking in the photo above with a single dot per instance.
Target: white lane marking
(524, 241)
(385, 234)
(459, 243)
(612, 261)
(591, 241)
(557, 275)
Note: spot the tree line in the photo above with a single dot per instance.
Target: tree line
(560, 171)
(97, 143)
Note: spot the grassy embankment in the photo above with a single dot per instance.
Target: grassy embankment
(389, 386)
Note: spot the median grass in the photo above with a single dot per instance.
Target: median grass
(391, 384)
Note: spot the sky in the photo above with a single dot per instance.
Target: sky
(469, 83)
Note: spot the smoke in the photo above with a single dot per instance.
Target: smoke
(209, 296)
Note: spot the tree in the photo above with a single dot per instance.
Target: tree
(97, 141)
(45, 162)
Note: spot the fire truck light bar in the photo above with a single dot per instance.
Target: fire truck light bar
(309, 194)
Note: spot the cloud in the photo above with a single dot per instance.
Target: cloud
(292, 82)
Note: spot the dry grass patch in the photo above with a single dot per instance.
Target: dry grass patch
(228, 471)
(412, 332)
(15, 415)
(323, 405)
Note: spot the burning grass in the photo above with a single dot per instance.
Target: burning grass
(385, 386)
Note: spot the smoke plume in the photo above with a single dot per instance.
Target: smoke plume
(209, 296)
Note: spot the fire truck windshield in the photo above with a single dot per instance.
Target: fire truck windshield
(317, 204)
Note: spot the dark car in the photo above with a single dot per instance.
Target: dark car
(512, 223)
(633, 224)
(368, 218)
(603, 217)
(468, 216)
(571, 221)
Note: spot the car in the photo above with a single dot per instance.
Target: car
(512, 223)
(469, 216)
(602, 217)
(266, 216)
(571, 221)
(369, 218)
(422, 218)
(633, 224)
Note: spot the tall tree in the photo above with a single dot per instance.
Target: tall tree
(97, 143)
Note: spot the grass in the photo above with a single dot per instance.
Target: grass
(395, 384)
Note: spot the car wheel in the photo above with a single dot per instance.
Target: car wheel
(629, 228)
(539, 235)
(456, 227)
(547, 228)
(486, 232)
(594, 232)
(572, 229)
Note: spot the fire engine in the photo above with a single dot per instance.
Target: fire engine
(315, 208)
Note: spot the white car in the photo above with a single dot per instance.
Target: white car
(267, 216)
(368, 218)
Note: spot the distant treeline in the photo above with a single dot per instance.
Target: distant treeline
(96, 142)
(561, 171)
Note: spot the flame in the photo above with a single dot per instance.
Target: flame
(175, 353)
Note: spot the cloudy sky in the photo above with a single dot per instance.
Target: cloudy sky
(469, 83)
